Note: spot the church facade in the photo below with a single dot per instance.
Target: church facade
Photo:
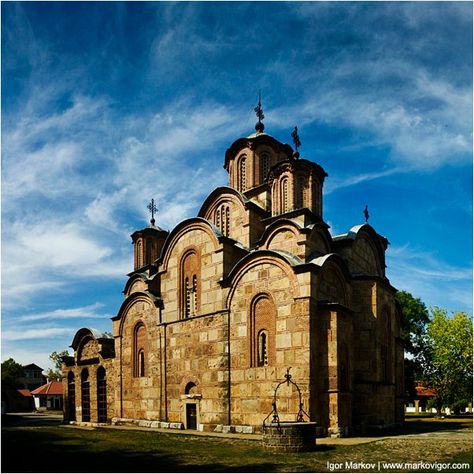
(218, 309)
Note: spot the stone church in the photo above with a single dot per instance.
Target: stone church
(218, 309)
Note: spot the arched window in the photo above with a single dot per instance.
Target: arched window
(242, 174)
(71, 397)
(284, 206)
(222, 218)
(139, 350)
(264, 162)
(262, 331)
(85, 396)
(101, 396)
(262, 349)
(190, 284)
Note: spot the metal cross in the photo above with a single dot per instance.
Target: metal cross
(258, 109)
(152, 208)
(366, 214)
(296, 138)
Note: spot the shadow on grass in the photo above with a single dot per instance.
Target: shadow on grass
(42, 450)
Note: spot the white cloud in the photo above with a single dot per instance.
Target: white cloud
(85, 312)
(37, 333)
(433, 280)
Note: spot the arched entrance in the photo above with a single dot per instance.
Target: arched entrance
(71, 397)
(101, 396)
(85, 396)
(191, 406)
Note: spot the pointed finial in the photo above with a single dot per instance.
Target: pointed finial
(152, 208)
(296, 141)
(259, 127)
(366, 214)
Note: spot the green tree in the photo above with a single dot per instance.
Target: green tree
(415, 318)
(448, 358)
(11, 371)
(56, 358)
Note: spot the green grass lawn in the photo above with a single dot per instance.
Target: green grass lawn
(66, 449)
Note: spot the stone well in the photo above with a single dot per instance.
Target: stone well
(290, 436)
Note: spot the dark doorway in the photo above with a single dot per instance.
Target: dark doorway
(71, 397)
(191, 416)
(85, 396)
(101, 396)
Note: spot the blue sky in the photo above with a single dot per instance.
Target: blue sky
(106, 105)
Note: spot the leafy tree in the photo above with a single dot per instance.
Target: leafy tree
(56, 373)
(415, 318)
(449, 357)
(11, 371)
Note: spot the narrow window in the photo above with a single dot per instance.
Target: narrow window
(301, 193)
(194, 295)
(243, 174)
(284, 195)
(263, 167)
(188, 298)
(262, 356)
(139, 350)
(141, 362)
(227, 221)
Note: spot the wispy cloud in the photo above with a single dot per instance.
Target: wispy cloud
(25, 334)
(424, 275)
(85, 312)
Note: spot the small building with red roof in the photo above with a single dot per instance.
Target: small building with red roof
(49, 396)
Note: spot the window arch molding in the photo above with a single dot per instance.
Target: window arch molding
(140, 350)
(242, 173)
(189, 282)
(262, 325)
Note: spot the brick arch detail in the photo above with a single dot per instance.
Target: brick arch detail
(258, 260)
(186, 380)
(183, 228)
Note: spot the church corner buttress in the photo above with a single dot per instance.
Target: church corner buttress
(216, 310)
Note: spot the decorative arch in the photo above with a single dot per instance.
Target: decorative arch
(140, 350)
(284, 186)
(333, 279)
(188, 225)
(262, 324)
(190, 282)
(242, 173)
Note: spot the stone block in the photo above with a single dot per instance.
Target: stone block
(218, 429)
(164, 424)
(227, 429)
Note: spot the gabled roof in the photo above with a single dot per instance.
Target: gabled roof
(51, 388)
(32, 367)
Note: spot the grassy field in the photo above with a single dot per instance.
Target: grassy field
(65, 449)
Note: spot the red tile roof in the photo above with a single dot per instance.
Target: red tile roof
(51, 388)
(25, 392)
(425, 391)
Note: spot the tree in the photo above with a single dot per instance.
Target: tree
(11, 371)
(56, 358)
(448, 358)
(415, 318)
